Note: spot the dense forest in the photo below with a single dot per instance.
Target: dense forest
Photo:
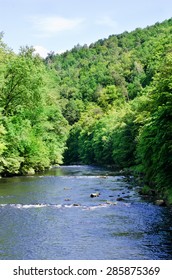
(109, 103)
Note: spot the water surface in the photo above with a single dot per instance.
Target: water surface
(52, 216)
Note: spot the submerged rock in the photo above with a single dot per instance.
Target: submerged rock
(127, 196)
(120, 199)
(76, 204)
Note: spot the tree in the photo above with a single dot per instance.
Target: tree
(22, 83)
(154, 142)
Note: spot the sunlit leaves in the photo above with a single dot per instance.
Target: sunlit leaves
(33, 130)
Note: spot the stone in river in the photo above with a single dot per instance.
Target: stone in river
(160, 202)
(94, 194)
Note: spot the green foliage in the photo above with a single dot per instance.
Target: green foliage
(124, 143)
(87, 124)
(154, 142)
(2, 144)
(22, 83)
(33, 130)
(102, 141)
(107, 103)
(129, 77)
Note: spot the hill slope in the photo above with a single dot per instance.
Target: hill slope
(116, 95)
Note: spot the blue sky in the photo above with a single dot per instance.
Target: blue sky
(58, 25)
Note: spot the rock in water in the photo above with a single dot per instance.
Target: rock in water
(160, 202)
(94, 194)
(120, 199)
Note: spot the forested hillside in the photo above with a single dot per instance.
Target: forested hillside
(109, 103)
(32, 127)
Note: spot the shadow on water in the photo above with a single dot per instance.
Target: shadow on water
(52, 216)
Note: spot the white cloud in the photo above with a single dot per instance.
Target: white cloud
(60, 51)
(41, 51)
(54, 24)
(107, 21)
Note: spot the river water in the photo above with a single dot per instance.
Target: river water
(52, 216)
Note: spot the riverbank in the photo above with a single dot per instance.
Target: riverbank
(148, 190)
(160, 196)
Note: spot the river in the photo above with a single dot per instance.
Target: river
(52, 216)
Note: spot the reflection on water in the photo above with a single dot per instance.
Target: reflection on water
(52, 216)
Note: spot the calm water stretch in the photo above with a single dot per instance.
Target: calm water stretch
(52, 216)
